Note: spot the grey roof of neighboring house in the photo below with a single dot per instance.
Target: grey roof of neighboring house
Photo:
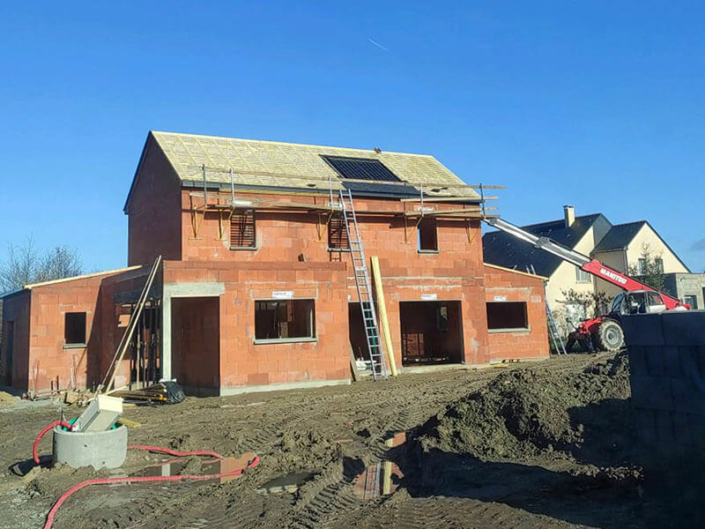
(619, 236)
(298, 166)
(502, 249)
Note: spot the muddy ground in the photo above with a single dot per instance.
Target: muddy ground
(530, 445)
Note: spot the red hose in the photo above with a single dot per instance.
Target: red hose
(140, 479)
(48, 427)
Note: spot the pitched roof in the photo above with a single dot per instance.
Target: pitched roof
(504, 250)
(298, 166)
(619, 236)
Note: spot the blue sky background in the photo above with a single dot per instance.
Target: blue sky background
(597, 104)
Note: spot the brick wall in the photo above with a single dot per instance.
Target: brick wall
(16, 309)
(244, 363)
(51, 360)
(154, 218)
(282, 236)
(508, 285)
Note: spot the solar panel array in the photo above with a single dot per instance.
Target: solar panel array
(361, 169)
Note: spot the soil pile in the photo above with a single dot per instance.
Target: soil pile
(525, 412)
(6, 399)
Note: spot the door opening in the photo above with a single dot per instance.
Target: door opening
(431, 332)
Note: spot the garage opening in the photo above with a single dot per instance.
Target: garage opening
(195, 341)
(431, 332)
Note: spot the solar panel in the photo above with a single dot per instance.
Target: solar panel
(361, 169)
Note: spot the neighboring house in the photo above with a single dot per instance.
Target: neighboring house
(257, 289)
(620, 246)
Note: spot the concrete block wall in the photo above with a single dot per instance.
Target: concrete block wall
(667, 375)
(510, 285)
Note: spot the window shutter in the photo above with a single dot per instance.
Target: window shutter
(337, 233)
(242, 229)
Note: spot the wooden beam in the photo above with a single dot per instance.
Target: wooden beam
(386, 334)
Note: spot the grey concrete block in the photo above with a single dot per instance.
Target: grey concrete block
(655, 364)
(652, 393)
(637, 360)
(687, 397)
(697, 429)
(664, 427)
(693, 366)
(681, 429)
(671, 357)
(683, 328)
(643, 329)
(646, 425)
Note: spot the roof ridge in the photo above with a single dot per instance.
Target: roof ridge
(632, 222)
(560, 220)
(288, 143)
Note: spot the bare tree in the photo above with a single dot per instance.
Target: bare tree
(25, 265)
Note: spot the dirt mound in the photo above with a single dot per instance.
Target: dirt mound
(525, 412)
(6, 398)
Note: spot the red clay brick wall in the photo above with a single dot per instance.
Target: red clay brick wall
(454, 273)
(129, 282)
(154, 218)
(512, 286)
(16, 309)
(283, 236)
(244, 363)
(47, 356)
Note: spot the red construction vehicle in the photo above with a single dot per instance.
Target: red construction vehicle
(603, 332)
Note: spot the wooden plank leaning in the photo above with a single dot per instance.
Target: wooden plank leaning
(131, 326)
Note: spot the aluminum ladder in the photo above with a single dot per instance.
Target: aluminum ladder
(555, 336)
(364, 287)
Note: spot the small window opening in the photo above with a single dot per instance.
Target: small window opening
(337, 234)
(285, 320)
(242, 229)
(75, 328)
(581, 276)
(428, 235)
(507, 315)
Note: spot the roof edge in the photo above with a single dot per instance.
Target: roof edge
(83, 276)
(289, 143)
(647, 223)
(504, 269)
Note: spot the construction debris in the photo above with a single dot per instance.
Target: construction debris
(100, 415)
(167, 392)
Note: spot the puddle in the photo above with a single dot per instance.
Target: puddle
(208, 467)
(288, 483)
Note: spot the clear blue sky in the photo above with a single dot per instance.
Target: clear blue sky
(597, 104)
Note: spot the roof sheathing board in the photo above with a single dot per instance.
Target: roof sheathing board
(272, 164)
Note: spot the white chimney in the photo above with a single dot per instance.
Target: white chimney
(569, 215)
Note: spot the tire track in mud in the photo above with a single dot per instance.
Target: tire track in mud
(234, 425)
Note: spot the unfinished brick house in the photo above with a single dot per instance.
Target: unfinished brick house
(256, 289)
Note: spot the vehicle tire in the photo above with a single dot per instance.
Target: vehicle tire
(609, 336)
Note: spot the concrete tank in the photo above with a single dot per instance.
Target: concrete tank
(96, 449)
